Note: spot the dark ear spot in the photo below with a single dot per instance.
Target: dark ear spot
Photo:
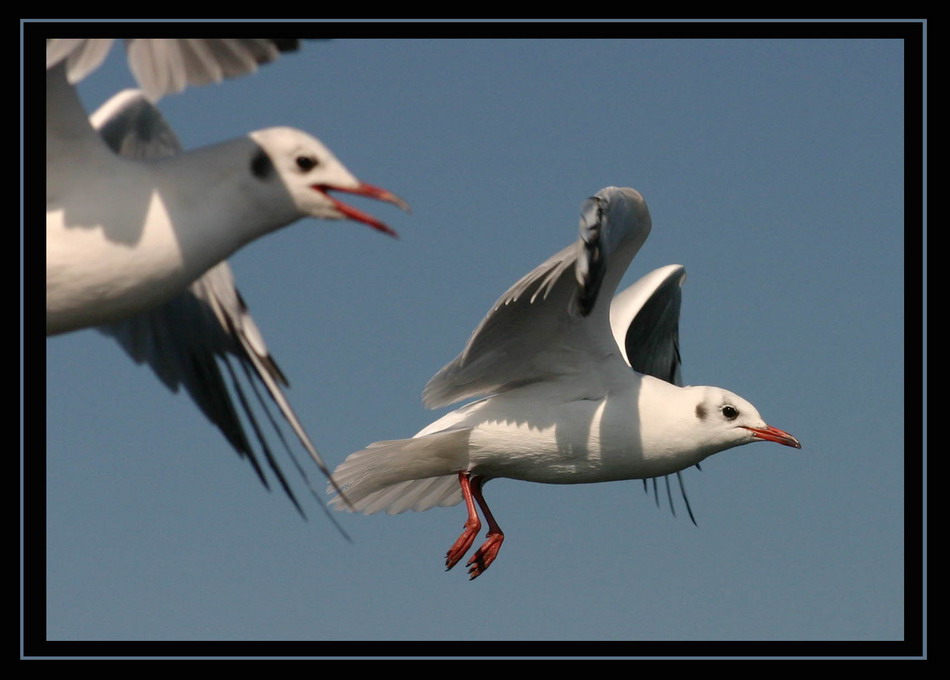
(700, 411)
(261, 166)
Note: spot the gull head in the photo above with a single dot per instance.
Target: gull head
(310, 172)
(722, 420)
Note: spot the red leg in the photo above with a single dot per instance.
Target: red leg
(472, 525)
(488, 551)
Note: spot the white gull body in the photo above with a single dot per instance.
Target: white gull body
(125, 234)
(575, 388)
(134, 272)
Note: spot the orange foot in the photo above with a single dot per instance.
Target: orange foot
(462, 544)
(485, 555)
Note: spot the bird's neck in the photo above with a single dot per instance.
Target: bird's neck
(227, 206)
(668, 426)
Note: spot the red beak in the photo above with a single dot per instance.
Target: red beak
(773, 434)
(369, 191)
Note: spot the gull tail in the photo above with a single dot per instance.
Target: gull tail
(403, 474)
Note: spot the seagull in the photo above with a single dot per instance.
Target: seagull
(126, 234)
(113, 266)
(573, 385)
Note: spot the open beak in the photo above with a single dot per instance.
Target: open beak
(369, 191)
(773, 434)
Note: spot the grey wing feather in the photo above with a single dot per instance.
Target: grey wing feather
(182, 339)
(132, 127)
(168, 65)
(503, 351)
(548, 323)
(82, 55)
(591, 258)
(645, 323)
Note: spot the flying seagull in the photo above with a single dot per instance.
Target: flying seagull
(574, 386)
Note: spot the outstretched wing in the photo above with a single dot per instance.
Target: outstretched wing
(644, 319)
(549, 323)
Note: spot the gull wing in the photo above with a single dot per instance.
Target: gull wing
(644, 319)
(167, 65)
(549, 323)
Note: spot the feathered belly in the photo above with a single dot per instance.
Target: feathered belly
(577, 443)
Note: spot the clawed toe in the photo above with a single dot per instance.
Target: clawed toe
(472, 493)
(484, 556)
(461, 546)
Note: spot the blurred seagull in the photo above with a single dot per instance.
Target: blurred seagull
(554, 357)
(125, 234)
(138, 229)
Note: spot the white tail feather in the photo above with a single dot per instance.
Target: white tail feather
(404, 474)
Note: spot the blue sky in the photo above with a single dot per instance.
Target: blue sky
(774, 171)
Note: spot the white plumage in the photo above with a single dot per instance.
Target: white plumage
(125, 233)
(576, 387)
(138, 229)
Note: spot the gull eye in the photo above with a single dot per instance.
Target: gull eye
(730, 412)
(307, 163)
